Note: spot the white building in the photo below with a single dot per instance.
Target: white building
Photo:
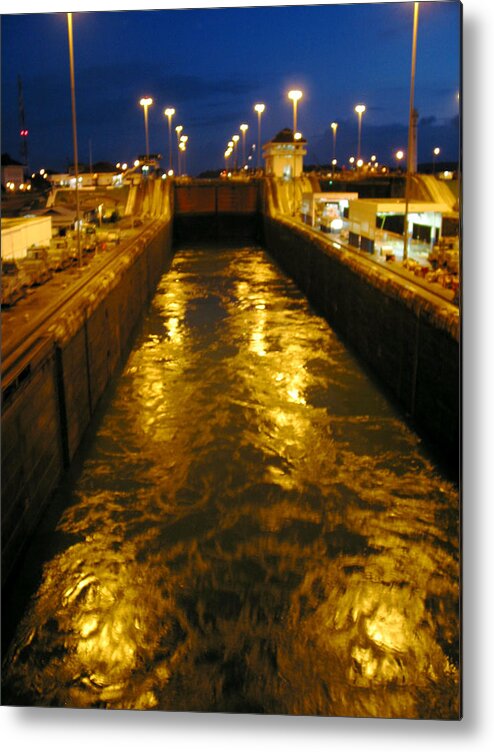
(18, 234)
(364, 216)
(284, 155)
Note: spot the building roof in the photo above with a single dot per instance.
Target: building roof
(8, 161)
(286, 137)
(397, 205)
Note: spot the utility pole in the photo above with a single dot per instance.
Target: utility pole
(410, 130)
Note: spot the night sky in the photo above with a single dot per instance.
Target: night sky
(213, 65)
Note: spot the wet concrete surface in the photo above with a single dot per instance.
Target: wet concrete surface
(253, 528)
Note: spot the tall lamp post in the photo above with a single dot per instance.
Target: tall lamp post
(334, 128)
(178, 131)
(435, 154)
(244, 127)
(259, 108)
(410, 128)
(183, 149)
(235, 140)
(74, 137)
(146, 102)
(228, 154)
(359, 109)
(295, 95)
(169, 112)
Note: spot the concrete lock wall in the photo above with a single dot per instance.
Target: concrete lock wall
(49, 405)
(408, 340)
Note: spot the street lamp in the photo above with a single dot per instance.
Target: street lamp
(334, 128)
(435, 154)
(259, 108)
(408, 184)
(183, 148)
(295, 95)
(228, 154)
(178, 131)
(169, 112)
(399, 156)
(235, 140)
(146, 102)
(359, 109)
(74, 135)
(244, 127)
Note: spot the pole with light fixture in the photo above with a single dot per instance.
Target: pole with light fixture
(259, 108)
(169, 113)
(243, 128)
(359, 109)
(146, 102)
(435, 154)
(410, 129)
(295, 95)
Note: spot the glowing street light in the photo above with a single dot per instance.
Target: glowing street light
(178, 131)
(435, 154)
(183, 148)
(244, 127)
(169, 112)
(359, 109)
(295, 95)
(259, 108)
(334, 128)
(235, 140)
(146, 102)
(399, 156)
(408, 184)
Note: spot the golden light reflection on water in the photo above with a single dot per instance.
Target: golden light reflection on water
(256, 530)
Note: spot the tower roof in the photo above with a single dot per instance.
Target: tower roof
(286, 137)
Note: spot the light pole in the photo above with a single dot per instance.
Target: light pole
(146, 102)
(178, 131)
(244, 127)
(259, 108)
(399, 156)
(169, 112)
(74, 136)
(295, 95)
(183, 149)
(435, 154)
(334, 128)
(235, 140)
(228, 154)
(359, 109)
(410, 128)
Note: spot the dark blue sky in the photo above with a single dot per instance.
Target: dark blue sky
(213, 65)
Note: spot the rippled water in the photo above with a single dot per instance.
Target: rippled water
(254, 529)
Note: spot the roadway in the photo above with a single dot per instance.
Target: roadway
(30, 318)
